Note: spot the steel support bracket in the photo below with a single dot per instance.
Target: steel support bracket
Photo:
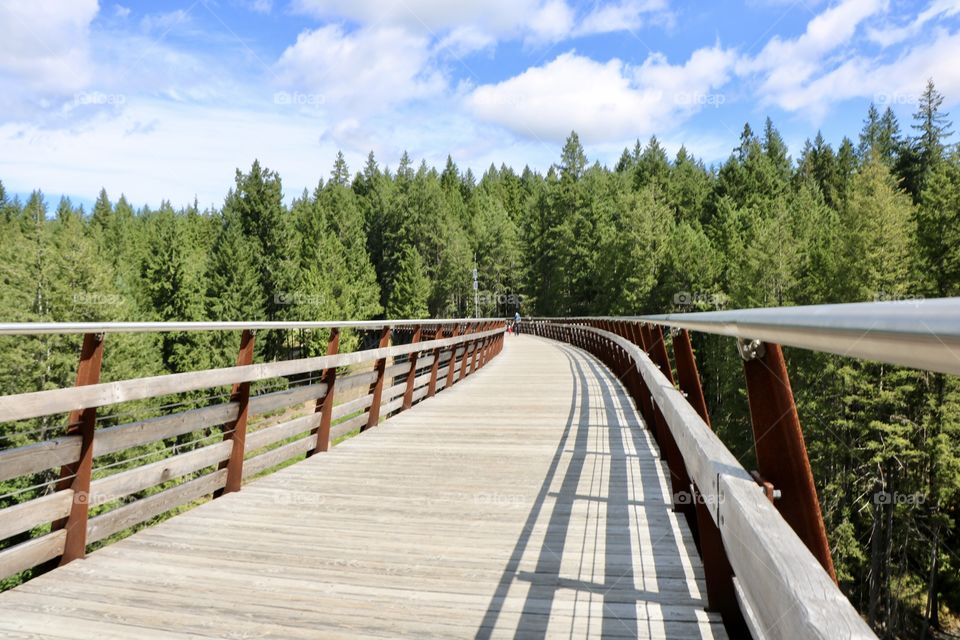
(750, 349)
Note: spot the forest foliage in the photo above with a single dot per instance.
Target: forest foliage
(877, 218)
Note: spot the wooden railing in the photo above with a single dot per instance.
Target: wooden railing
(761, 537)
(314, 405)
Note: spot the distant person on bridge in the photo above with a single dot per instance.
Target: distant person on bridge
(516, 322)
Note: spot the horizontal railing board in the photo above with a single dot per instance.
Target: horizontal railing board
(391, 406)
(347, 408)
(393, 391)
(60, 451)
(273, 434)
(32, 458)
(29, 554)
(268, 402)
(272, 458)
(357, 380)
(40, 403)
(107, 524)
(345, 427)
(131, 481)
(772, 563)
(420, 393)
(41, 328)
(133, 434)
(421, 380)
(396, 370)
(749, 615)
(27, 515)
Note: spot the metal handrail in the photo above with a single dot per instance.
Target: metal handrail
(780, 587)
(41, 328)
(924, 334)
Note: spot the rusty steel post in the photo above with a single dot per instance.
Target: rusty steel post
(453, 358)
(476, 348)
(678, 471)
(373, 417)
(718, 573)
(466, 352)
(76, 475)
(236, 431)
(432, 388)
(646, 398)
(633, 335)
(781, 451)
(631, 373)
(485, 352)
(688, 375)
(656, 420)
(412, 374)
(325, 404)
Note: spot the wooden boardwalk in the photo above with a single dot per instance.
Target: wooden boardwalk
(527, 501)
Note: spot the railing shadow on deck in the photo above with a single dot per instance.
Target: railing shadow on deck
(619, 592)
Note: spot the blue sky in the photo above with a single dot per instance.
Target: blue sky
(165, 99)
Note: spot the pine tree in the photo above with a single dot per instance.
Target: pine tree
(340, 174)
(877, 227)
(652, 167)
(688, 188)
(374, 193)
(938, 230)
(356, 291)
(258, 203)
(102, 215)
(573, 161)
(927, 148)
(411, 287)
(880, 136)
(233, 290)
(174, 291)
(776, 150)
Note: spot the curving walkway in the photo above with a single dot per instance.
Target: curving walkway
(526, 501)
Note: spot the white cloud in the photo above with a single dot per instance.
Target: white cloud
(121, 11)
(192, 151)
(338, 67)
(788, 67)
(792, 61)
(551, 22)
(603, 101)
(46, 44)
(260, 6)
(625, 16)
(890, 35)
(163, 22)
(898, 82)
(823, 66)
(535, 21)
(464, 40)
(497, 16)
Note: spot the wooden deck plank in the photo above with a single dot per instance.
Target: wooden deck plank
(527, 501)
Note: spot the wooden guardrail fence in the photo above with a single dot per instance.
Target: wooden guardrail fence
(433, 355)
(767, 566)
